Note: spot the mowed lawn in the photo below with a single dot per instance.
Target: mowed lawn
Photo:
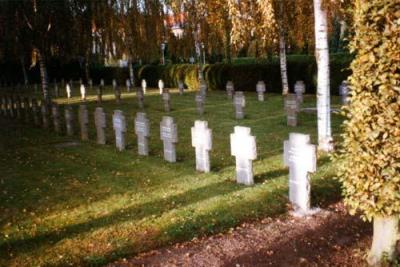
(65, 203)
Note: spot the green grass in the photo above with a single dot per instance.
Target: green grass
(89, 204)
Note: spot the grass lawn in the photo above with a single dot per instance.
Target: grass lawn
(89, 204)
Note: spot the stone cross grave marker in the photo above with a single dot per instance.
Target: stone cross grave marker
(100, 123)
(140, 97)
(99, 92)
(35, 111)
(202, 142)
(203, 87)
(299, 89)
(128, 85)
(161, 86)
(344, 93)
(166, 97)
(181, 87)
(27, 110)
(45, 115)
(240, 103)
(142, 130)
(243, 147)
(230, 89)
(200, 99)
(68, 90)
(69, 120)
(291, 108)
(144, 86)
(169, 136)
(11, 106)
(55, 112)
(119, 125)
(117, 92)
(300, 157)
(102, 83)
(56, 89)
(260, 88)
(83, 116)
(83, 92)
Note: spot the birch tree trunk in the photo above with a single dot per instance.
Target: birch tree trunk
(283, 64)
(43, 77)
(385, 236)
(323, 90)
(131, 75)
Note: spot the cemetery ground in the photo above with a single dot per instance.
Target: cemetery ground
(67, 202)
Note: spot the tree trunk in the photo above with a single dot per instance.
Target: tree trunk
(87, 65)
(43, 77)
(131, 75)
(26, 80)
(386, 234)
(228, 56)
(283, 64)
(323, 90)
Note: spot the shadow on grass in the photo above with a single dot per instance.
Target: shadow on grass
(135, 212)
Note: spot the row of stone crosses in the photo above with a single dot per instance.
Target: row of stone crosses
(299, 154)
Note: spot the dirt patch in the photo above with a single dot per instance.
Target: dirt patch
(329, 238)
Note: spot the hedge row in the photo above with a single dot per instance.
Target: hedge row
(244, 76)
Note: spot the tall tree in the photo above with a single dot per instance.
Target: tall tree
(370, 154)
(323, 82)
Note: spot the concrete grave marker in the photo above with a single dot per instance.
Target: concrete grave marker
(68, 90)
(169, 136)
(117, 92)
(200, 99)
(100, 123)
(99, 92)
(140, 97)
(45, 115)
(299, 89)
(161, 86)
(202, 142)
(240, 103)
(69, 120)
(102, 83)
(55, 112)
(119, 125)
(300, 157)
(35, 111)
(181, 87)
(56, 89)
(18, 107)
(344, 93)
(291, 108)
(260, 88)
(142, 130)
(230, 89)
(128, 85)
(166, 97)
(144, 86)
(83, 92)
(83, 116)
(11, 106)
(243, 147)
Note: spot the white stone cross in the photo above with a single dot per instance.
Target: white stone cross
(230, 89)
(243, 147)
(300, 157)
(83, 92)
(240, 103)
(142, 130)
(144, 86)
(100, 123)
(260, 88)
(161, 86)
(291, 108)
(169, 136)
(202, 142)
(299, 89)
(84, 121)
(128, 85)
(166, 97)
(119, 125)
(68, 90)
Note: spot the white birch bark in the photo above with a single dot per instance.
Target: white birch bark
(323, 89)
(386, 234)
(283, 64)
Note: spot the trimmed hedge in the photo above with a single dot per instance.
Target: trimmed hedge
(245, 76)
